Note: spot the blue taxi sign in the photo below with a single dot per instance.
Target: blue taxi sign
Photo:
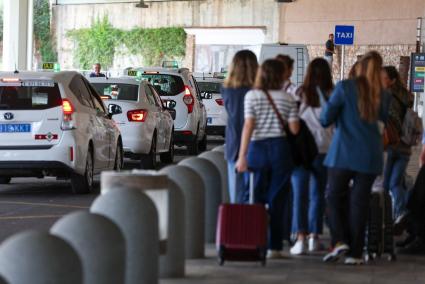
(344, 35)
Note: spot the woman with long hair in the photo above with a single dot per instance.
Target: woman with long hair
(308, 185)
(357, 107)
(264, 146)
(398, 155)
(243, 70)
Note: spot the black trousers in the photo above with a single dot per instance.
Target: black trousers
(348, 207)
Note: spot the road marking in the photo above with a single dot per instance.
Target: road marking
(44, 204)
(30, 217)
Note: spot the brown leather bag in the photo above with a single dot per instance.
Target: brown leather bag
(391, 135)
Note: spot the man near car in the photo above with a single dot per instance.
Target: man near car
(96, 71)
(330, 49)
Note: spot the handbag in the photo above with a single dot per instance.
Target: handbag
(304, 149)
(391, 135)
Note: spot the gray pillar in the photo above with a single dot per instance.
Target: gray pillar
(17, 34)
(217, 158)
(2, 281)
(39, 258)
(212, 180)
(99, 243)
(136, 216)
(170, 203)
(219, 149)
(193, 189)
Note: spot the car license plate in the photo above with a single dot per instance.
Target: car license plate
(209, 120)
(15, 128)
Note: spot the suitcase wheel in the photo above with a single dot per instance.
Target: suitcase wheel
(220, 256)
(392, 257)
(263, 256)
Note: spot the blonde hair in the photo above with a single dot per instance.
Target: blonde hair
(368, 81)
(242, 70)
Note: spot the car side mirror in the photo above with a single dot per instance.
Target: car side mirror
(114, 109)
(206, 95)
(172, 112)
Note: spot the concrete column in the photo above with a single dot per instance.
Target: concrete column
(17, 34)
(217, 158)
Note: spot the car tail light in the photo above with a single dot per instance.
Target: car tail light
(187, 132)
(188, 99)
(219, 102)
(68, 110)
(138, 115)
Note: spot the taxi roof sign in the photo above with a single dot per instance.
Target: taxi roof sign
(170, 64)
(51, 66)
(134, 73)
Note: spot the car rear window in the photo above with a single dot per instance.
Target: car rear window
(29, 97)
(209, 87)
(165, 85)
(122, 92)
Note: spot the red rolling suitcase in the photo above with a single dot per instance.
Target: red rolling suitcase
(242, 230)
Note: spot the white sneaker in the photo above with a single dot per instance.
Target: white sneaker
(299, 248)
(274, 254)
(313, 245)
(353, 261)
(335, 254)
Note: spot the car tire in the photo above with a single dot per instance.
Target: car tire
(168, 157)
(148, 161)
(82, 184)
(193, 147)
(5, 180)
(203, 143)
(119, 161)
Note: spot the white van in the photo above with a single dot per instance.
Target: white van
(298, 52)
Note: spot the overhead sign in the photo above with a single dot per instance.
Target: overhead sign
(417, 71)
(344, 35)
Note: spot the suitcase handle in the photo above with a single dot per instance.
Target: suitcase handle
(251, 187)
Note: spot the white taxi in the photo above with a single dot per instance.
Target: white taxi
(55, 124)
(146, 124)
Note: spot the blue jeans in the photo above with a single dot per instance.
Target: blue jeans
(270, 160)
(237, 186)
(395, 168)
(308, 187)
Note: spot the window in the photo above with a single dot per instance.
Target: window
(210, 87)
(29, 97)
(123, 92)
(150, 96)
(156, 97)
(79, 89)
(97, 101)
(164, 84)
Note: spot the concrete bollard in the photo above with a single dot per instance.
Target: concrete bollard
(170, 203)
(217, 158)
(39, 258)
(212, 180)
(99, 243)
(193, 189)
(136, 216)
(2, 281)
(219, 149)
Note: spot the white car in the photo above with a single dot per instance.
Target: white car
(179, 87)
(146, 125)
(210, 87)
(55, 124)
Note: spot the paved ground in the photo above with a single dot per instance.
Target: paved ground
(37, 204)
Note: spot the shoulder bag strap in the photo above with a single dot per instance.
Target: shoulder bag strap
(283, 123)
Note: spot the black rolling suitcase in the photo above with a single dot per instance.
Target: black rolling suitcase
(380, 230)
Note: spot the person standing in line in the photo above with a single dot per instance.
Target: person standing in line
(398, 156)
(240, 80)
(96, 71)
(357, 107)
(288, 86)
(308, 185)
(264, 147)
(330, 49)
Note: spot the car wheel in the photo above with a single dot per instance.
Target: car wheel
(84, 183)
(203, 143)
(5, 180)
(193, 147)
(168, 157)
(148, 161)
(118, 165)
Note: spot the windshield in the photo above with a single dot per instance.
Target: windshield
(165, 85)
(29, 97)
(122, 92)
(209, 87)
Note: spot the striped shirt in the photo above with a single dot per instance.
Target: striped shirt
(267, 124)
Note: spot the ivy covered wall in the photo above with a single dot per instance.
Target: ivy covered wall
(102, 42)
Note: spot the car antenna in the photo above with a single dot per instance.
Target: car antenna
(203, 75)
(16, 70)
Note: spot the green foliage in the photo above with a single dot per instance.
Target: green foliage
(101, 42)
(96, 44)
(42, 33)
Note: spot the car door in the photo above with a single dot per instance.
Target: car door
(102, 129)
(155, 111)
(202, 108)
(163, 121)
